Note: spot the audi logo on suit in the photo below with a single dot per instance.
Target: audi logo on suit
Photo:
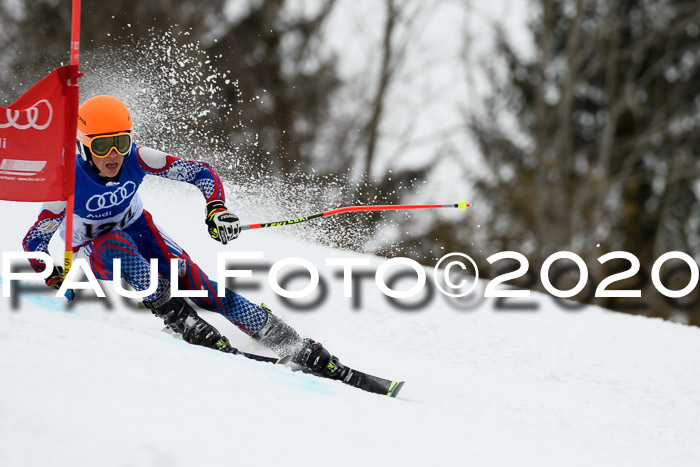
(111, 199)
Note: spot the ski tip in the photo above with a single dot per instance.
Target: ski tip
(394, 388)
(463, 205)
(283, 360)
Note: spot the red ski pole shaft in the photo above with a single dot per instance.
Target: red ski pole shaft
(390, 207)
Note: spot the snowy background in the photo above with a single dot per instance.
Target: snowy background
(99, 384)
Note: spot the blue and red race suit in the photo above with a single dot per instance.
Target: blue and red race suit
(110, 222)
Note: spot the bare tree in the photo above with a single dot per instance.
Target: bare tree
(605, 145)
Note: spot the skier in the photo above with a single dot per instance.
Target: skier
(110, 223)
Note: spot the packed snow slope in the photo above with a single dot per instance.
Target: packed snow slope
(101, 385)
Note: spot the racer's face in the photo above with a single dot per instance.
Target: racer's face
(109, 165)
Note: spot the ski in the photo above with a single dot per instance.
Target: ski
(359, 379)
(232, 350)
(354, 378)
(351, 377)
(369, 383)
(261, 358)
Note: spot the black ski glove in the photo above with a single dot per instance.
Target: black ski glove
(55, 280)
(223, 225)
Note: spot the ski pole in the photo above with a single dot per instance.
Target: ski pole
(395, 207)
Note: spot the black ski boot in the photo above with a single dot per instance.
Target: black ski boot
(281, 338)
(181, 318)
(313, 356)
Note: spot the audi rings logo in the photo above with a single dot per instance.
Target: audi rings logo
(38, 117)
(111, 198)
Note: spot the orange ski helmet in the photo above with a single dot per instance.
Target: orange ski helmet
(101, 115)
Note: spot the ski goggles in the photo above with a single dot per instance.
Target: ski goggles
(101, 145)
